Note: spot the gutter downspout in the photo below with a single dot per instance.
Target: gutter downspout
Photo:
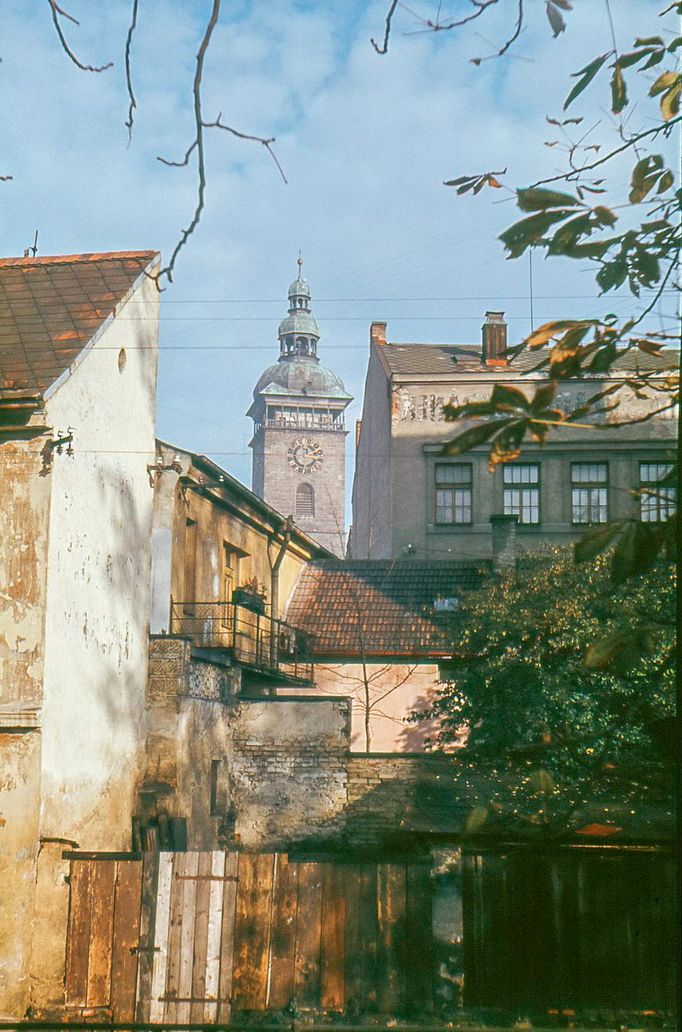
(274, 576)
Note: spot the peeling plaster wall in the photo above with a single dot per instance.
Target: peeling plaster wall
(19, 812)
(216, 527)
(98, 602)
(281, 763)
(287, 770)
(24, 516)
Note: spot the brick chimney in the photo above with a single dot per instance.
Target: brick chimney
(504, 543)
(494, 332)
(377, 333)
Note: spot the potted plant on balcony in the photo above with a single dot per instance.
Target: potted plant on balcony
(250, 595)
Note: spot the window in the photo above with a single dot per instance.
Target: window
(522, 491)
(453, 493)
(589, 492)
(231, 561)
(305, 500)
(656, 503)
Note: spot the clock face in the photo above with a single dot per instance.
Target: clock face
(305, 455)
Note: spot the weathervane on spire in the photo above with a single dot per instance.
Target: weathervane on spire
(299, 262)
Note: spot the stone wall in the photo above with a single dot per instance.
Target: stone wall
(288, 769)
(385, 792)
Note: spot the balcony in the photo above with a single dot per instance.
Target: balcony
(256, 642)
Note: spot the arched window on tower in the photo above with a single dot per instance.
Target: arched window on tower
(305, 500)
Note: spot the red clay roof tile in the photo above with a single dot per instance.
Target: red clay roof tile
(51, 306)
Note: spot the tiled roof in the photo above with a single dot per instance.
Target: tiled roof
(450, 359)
(51, 307)
(379, 607)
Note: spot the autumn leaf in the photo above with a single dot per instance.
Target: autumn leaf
(587, 75)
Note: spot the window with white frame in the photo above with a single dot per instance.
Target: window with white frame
(589, 492)
(657, 501)
(453, 493)
(522, 491)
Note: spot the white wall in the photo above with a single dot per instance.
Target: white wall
(98, 602)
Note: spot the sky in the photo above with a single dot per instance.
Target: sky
(365, 142)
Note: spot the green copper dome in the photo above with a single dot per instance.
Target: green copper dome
(298, 370)
(301, 376)
(299, 321)
(299, 288)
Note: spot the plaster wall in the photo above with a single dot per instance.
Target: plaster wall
(98, 577)
(216, 528)
(371, 532)
(395, 690)
(418, 429)
(24, 519)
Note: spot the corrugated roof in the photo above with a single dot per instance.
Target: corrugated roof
(382, 608)
(452, 359)
(50, 307)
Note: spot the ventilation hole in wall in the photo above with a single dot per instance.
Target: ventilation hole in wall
(122, 359)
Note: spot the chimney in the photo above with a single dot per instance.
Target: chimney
(504, 543)
(494, 332)
(377, 333)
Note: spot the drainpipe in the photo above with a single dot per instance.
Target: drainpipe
(274, 577)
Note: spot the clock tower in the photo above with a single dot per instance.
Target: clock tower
(298, 429)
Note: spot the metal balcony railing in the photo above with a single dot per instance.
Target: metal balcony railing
(255, 641)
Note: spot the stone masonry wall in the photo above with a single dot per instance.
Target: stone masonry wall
(382, 790)
(288, 769)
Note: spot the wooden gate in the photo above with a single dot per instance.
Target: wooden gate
(201, 936)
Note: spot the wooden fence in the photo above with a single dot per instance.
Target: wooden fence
(578, 929)
(203, 936)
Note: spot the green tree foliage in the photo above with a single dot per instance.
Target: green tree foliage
(632, 240)
(559, 721)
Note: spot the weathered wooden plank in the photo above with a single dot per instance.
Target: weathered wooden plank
(215, 920)
(78, 939)
(203, 895)
(333, 936)
(283, 940)
(150, 873)
(252, 931)
(161, 935)
(127, 902)
(361, 936)
(187, 935)
(101, 933)
(308, 934)
(391, 937)
(174, 937)
(227, 934)
(419, 962)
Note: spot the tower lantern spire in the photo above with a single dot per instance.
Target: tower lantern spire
(298, 332)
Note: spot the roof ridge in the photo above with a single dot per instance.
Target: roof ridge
(72, 259)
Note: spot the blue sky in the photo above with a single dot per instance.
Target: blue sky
(365, 142)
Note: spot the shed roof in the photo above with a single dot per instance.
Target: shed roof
(382, 608)
(50, 307)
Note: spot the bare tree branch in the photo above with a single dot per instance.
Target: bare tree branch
(179, 164)
(383, 48)
(512, 39)
(167, 270)
(219, 124)
(129, 77)
(654, 131)
(56, 11)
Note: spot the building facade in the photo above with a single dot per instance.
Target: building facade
(299, 433)
(411, 499)
(77, 401)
